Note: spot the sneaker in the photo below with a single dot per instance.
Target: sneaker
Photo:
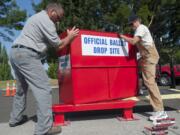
(22, 121)
(141, 92)
(158, 115)
(54, 130)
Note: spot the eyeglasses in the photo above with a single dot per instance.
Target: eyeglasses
(58, 16)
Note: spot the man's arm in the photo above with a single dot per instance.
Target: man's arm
(71, 34)
(132, 41)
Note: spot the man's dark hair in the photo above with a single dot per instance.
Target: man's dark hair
(133, 18)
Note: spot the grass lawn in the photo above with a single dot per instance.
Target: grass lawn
(53, 82)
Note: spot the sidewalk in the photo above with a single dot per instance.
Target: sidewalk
(100, 125)
(93, 122)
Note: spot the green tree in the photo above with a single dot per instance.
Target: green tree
(53, 70)
(82, 13)
(178, 57)
(11, 17)
(5, 71)
(166, 28)
(161, 16)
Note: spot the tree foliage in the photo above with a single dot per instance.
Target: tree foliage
(177, 56)
(166, 27)
(5, 71)
(161, 16)
(53, 70)
(11, 17)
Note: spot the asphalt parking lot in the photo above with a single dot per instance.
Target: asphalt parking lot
(102, 122)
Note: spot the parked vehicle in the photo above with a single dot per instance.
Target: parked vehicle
(164, 74)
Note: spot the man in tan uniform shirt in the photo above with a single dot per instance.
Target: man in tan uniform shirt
(149, 58)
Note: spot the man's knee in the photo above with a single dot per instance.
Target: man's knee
(150, 83)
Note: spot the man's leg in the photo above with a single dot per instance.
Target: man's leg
(43, 94)
(38, 81)
(19, 100)
(155, 96)
(30, 66)
(148, 73)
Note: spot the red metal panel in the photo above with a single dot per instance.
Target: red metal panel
(123, 82)
(128, 104)
(95, 82)
(78, 60)
(65, 80)
(65, 86)
(95, 78)
(90, 84)
(100, 61)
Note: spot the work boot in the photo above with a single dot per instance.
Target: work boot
(22, 121)
(54, 130)
(158, 116)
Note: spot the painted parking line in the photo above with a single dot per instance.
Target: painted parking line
(143, 98)
(176, 90)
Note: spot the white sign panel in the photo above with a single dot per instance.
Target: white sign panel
(103, 46)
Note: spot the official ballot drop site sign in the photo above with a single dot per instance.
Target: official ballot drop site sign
(103, 46)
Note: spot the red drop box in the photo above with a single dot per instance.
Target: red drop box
(95, 67)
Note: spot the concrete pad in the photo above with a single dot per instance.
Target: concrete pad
(94, 126)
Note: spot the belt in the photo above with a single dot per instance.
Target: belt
(22, 46)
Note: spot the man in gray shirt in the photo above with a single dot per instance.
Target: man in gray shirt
(38, 33)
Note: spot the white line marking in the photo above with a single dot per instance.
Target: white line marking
(168, 96)
(176, 90)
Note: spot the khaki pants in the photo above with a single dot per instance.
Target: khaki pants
(148, 74)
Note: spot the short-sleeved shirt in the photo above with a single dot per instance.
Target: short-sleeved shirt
(143, 32)
(39, 32)
(146, 46)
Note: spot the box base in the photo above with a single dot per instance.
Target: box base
(125, 105)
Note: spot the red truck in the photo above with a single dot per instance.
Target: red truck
(164, 74)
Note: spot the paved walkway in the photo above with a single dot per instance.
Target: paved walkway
(93, 122)
(96, 125)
